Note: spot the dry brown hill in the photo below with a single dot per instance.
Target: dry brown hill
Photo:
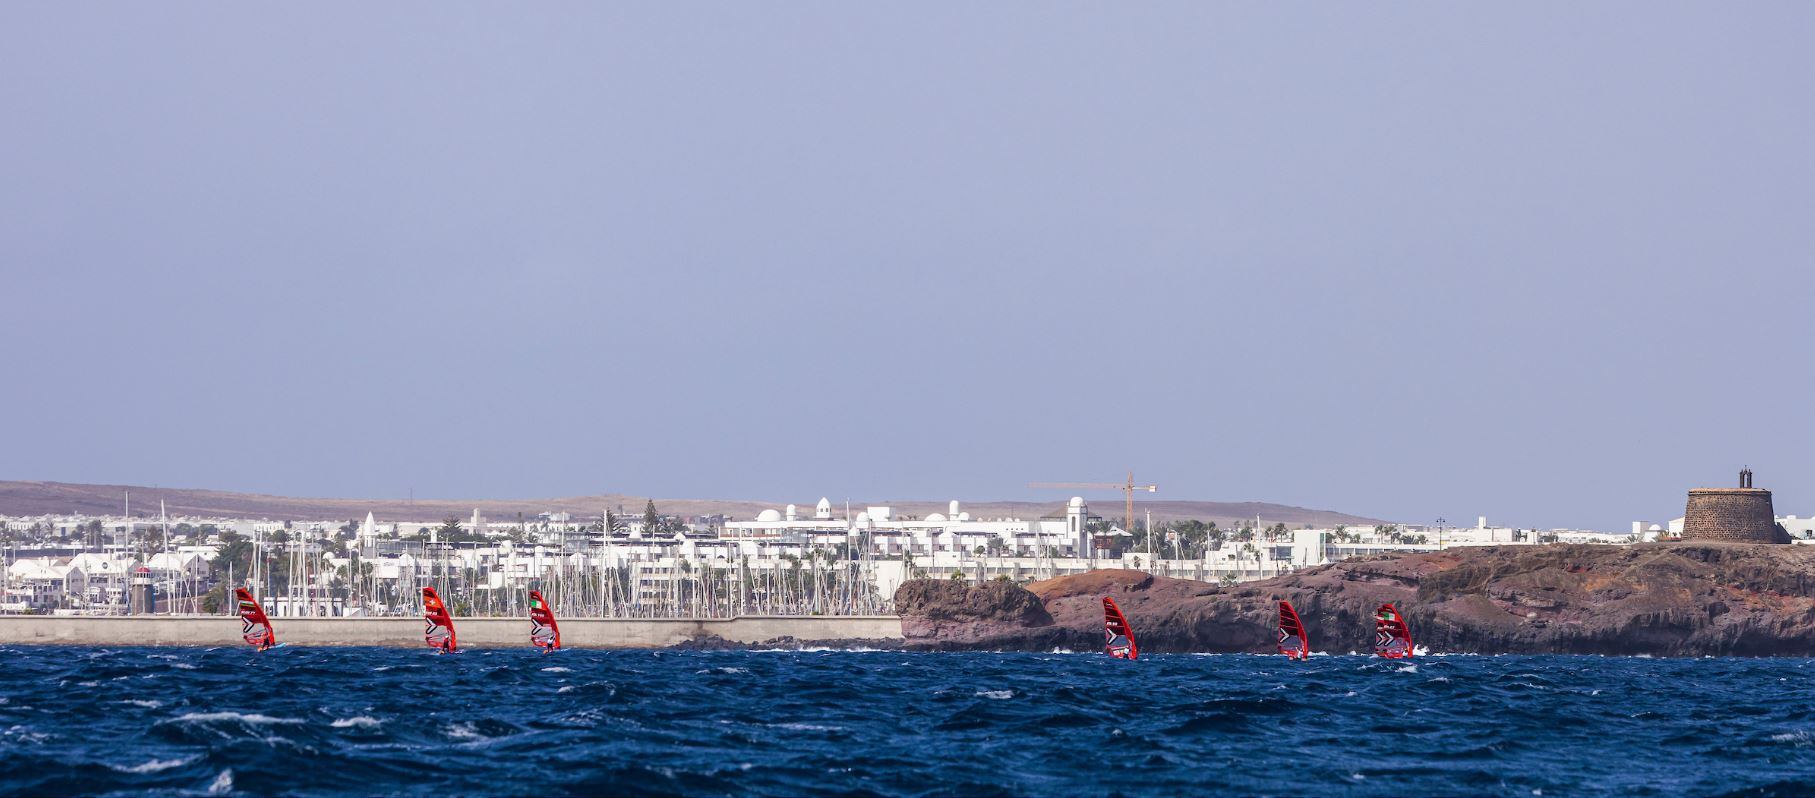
(63, 498)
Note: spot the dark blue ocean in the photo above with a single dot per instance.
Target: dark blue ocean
(302, 721)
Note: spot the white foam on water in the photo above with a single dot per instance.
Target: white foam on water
(23, 734)
(360, 721)
(999, 695)
(155, 765)
(565, 689)
(464, 731)
(143, 702)
(223, 783)
(804, 727)
(1798, 738)
(1407, 669)
(556, 669)
(182, 666)
(253, 718)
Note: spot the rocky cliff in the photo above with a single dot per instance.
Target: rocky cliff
(1675, 599)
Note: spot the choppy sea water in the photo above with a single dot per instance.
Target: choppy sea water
(385, 721)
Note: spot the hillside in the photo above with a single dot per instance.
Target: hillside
(62, 498)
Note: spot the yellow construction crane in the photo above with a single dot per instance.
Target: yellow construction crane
(1127, 488)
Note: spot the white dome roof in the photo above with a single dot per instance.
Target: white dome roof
(936, 517)
(824, 504)
(769, 515)
(1077, 501)
(863, 518)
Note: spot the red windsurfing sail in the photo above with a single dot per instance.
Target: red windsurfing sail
(1391, 637)
(257, 629)
(542, 628)
(1119, 635)
(1293, 642)
(437, 624)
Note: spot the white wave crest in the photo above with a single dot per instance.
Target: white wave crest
(155, 765)
(804, 727)
(360, 721)
(211, 717)
(464, 731)
(999, 695)
(23, 734)
(556, 669)
(223, 783)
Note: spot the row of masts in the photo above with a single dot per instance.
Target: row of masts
(580, 584)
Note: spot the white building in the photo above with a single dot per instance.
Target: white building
(1059, 533)
(45, 582)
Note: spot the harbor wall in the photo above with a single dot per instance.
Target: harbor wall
(224, 630)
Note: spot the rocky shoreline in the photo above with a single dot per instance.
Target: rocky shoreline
(1663, 599)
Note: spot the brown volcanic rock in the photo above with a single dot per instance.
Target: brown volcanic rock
(1681, 599)
(961, 615)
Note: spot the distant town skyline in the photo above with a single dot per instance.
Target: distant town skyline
(1405, 263)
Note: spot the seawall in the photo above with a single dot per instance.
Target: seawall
(224, 630)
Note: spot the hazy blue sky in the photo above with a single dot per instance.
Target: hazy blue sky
(1550, 264)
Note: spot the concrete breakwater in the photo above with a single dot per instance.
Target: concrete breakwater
(224, 630)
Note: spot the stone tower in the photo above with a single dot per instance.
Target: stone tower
(1732, 515)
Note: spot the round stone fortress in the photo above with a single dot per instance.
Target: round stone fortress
(1732, 515)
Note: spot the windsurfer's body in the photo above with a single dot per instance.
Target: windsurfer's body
(1119, 647)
